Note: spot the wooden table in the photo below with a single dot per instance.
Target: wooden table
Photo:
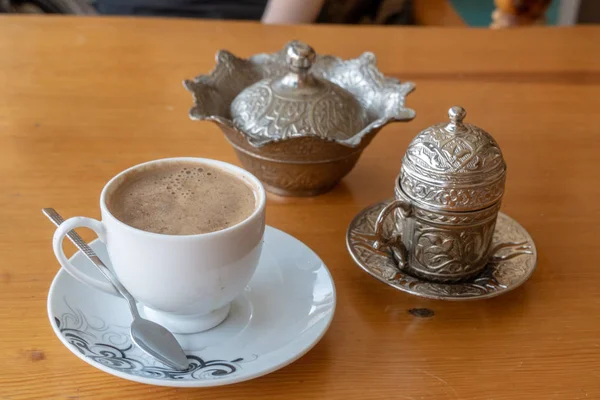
(83, 98)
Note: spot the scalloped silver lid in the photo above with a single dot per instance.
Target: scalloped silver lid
(453, 166)
(298, 104)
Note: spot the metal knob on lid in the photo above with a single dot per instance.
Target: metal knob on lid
(298, 104)
(456, 115)
(300, 56)
(453, 166)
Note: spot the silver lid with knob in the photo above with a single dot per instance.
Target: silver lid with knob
(453, 166)
(298, 104)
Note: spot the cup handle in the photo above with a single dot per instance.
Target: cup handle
(398, 248)
(62, 230)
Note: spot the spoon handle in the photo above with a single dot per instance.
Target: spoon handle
(77, 240)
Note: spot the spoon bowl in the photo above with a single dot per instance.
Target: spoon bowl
(157, 341)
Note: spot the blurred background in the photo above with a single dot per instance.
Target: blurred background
(477, 13)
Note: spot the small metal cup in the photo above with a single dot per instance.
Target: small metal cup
(446, 203)
(439, 246)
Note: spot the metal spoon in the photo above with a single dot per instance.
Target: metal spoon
(149, 336)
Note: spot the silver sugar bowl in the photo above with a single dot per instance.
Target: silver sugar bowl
(297, 120)
(447, 199)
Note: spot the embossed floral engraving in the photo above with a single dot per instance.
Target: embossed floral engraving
(442, 195)
(451, 252)
(453, 166)
(111, 347)
(263, 113)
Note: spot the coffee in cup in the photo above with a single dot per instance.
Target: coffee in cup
(180, 198)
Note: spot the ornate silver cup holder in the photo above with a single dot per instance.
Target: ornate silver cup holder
(512, 261)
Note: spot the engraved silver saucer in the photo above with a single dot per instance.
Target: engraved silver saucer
(513, 259)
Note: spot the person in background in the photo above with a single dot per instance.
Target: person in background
(267, 11)
(295, 12)
(399, 12)
(507, 13)
(338, 12)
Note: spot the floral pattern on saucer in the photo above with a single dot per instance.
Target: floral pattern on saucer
(112, 346)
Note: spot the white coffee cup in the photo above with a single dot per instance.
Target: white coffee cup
(184, 282)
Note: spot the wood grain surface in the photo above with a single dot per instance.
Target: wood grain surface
(84, 98)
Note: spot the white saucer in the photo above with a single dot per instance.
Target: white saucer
(284, 311)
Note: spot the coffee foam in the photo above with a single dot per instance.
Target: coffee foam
(180, 198)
